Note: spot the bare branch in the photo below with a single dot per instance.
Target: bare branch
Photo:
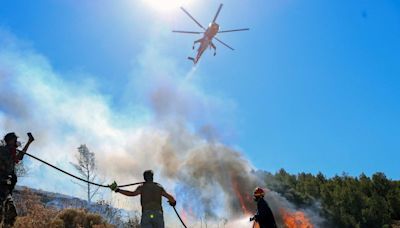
(77, 183)
(86, 167)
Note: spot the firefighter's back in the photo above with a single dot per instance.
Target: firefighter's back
(150, 196)
(6, 162)
(150, 199)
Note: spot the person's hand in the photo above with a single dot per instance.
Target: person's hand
(31, 139)
(114, 186)
(172, 203)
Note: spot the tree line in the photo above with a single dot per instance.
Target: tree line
(344, 201)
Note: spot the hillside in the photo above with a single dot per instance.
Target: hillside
(343, 201)
(38, 208)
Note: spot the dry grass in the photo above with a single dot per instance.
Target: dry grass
(33, 214)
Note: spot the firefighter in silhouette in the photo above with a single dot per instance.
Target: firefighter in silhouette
(9, 156)
(150, 199)
(264, 216)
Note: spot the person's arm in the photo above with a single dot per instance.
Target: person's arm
(114, 187)
(256, 217)
(259, 212)
(128, 193)
(25, 149)
(170, 198)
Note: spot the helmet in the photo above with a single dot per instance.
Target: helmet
(10, 136)
(259, 192)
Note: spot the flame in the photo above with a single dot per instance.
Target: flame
(256, 225)
(242, 200)
(295, 220)
(184, 215)
(191, 212)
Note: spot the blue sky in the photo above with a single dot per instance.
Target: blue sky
(313, 86)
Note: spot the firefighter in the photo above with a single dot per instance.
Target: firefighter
(9, 156)
(264, 216)
(150, 200)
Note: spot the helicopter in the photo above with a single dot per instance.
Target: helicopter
(209, 34)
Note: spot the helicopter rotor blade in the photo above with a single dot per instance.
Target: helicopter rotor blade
(187, 13)
(216, 15)
(224, 43)
(234, 30)
(188, 32)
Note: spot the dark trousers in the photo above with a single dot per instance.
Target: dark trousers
(152, 219)
(8, 212)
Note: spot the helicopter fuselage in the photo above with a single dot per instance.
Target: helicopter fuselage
(205, 42)
(209, 35)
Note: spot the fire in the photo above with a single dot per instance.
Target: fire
(242, 200)
(256, 225)
(191, 212)
(187, 213)
(184, 215)
(295, 220)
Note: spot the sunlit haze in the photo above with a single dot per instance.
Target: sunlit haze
(166, 5)
(311, 86)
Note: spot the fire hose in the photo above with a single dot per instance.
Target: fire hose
(96, 184)
(179, 217)
(76, 177)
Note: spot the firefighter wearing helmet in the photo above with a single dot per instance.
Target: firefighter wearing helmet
(264, 216)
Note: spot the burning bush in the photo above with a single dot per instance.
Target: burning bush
(295, 220)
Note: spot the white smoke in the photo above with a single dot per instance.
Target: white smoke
(180, 135)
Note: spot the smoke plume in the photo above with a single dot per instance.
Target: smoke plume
(180, 134)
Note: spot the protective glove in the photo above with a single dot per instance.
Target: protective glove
(172, 203)
(114, 187)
